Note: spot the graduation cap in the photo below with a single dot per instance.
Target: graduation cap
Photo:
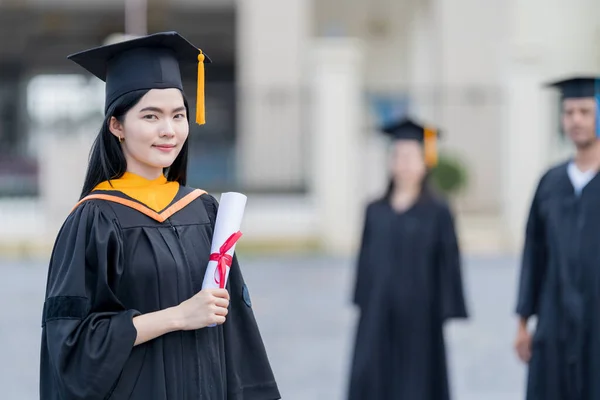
(578, 87)
(407, 129)
(148, 62)
(581, 87)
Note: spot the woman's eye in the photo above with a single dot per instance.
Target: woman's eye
(150, 117)
(180, 116)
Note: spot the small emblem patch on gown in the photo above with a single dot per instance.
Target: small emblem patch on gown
(246, 296)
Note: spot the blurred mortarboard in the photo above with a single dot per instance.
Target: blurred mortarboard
(577, 87)
(148, 62)
(408, 129)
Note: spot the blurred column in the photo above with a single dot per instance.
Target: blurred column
(271, 60)
(136, 17)
(540, 52)
(469, 42)
(423, 68)
(337, 172)
(63, 160)
(65, 126)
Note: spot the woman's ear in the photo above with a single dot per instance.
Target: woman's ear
(116, 128)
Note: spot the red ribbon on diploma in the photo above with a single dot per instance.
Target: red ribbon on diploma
(223, 259)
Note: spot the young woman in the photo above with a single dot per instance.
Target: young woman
(124, 315)
(408, 281)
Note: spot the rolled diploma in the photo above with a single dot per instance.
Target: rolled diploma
(228, 222)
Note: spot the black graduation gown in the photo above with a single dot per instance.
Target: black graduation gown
(408, 283)
(112, 262)
(559, 283)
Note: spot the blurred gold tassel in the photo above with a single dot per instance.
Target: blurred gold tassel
(430, 144)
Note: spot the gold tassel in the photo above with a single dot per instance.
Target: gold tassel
(430, 139)
(200, 108)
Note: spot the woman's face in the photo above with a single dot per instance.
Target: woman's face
(154, 131)
(408, 163)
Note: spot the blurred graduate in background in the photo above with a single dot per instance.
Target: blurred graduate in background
(408, 280)
(560, 270)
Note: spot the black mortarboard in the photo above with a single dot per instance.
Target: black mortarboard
(578, 87)
(407, 129)
(148, 62)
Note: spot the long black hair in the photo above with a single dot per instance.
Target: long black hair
(107, 160)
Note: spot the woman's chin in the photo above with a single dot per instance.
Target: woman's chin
(163, 162)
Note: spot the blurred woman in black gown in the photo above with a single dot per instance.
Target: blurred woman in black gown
(408, 281)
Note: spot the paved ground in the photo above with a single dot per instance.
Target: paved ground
(302, 306)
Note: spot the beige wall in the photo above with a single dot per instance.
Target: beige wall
(381, 25)
(452, 57)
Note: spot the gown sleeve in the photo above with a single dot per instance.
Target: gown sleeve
(87, 335)
(449, 267)
(533, 261)
(362, 277)
(249, 373)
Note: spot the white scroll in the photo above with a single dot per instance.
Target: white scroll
(225, 236)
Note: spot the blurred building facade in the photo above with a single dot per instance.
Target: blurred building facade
(294, 96)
